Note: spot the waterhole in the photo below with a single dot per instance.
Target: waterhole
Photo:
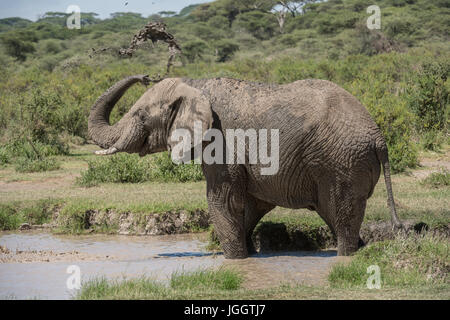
(34, 265)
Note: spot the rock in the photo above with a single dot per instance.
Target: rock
(25, 226)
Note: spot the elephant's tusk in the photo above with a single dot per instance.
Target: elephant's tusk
(109, 151)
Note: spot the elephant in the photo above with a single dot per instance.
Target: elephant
(330, 149)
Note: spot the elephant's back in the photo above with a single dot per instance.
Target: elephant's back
(324, 132)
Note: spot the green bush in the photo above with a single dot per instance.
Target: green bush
(130, 168)
(9, 219)
(4, 156)
(119, 168)
(164, 169)
(226, 49)
(24, 164)
(430, 95)
(393, 118)
(406, 261)
(438, 179)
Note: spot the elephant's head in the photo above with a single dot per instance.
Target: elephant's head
(147, 127)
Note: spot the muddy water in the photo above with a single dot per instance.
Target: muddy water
(37, 264)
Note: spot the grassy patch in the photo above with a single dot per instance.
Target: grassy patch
(405, 261)
(4, 157)
(126, 168)
(182, 284)
(35, 213)
(37, 165)
(146, 288)
(438, 179)
(221, 279)
(9, 219)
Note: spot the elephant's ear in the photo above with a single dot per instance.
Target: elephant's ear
(190, 112)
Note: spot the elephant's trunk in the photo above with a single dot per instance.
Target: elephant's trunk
(99, 128)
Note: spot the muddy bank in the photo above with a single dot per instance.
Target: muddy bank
(268, 236)
(26, 256)
(129, 223)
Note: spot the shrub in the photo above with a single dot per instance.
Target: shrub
(393, 117)
(406, 261)
(18, 48)
(163, 168)
(129, 168)
(4, 156)
(119, 168)
(37, 165)
(9, 219)
(194, 49)
(438, 179)
(226, 49)
(52, 47)
(430, 95)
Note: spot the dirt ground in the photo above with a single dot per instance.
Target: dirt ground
(18, 256)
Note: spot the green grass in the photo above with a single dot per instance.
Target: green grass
(403, 262)
(438, 179)
(126, 168)
(36, 165)
(222, 279)
(181, 284)
(208, 285)
(35, 213)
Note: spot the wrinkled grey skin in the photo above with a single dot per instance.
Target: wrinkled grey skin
(330, 149)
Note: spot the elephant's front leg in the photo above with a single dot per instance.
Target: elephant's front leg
(226, 203)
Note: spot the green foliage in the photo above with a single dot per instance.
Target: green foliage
(261, 25)
(164, 169)
(394, 120)
(126, 168)
(194, 49)
(9, 220)
(120, 168)
(181, 284)
(37, 213)
(405, 261)
(17, 48)
(221, 279)
(226, 49)
(36, 165)
(438, 179)
(431, 95)
(4, 156)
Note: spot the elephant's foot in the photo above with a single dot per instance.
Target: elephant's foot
(348, 245)
(397, 225)
(234, 249)
(106, 152)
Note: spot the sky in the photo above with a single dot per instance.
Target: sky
(31, 9)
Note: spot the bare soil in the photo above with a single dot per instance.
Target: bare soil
(7, 256)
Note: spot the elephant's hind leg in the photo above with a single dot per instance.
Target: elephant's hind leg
(254, 211)
(344, 210)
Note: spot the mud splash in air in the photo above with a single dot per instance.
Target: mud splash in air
(153, 31)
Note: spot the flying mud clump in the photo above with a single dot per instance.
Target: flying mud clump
(154, 31)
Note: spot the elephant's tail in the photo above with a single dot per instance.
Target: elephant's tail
(383, 157)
